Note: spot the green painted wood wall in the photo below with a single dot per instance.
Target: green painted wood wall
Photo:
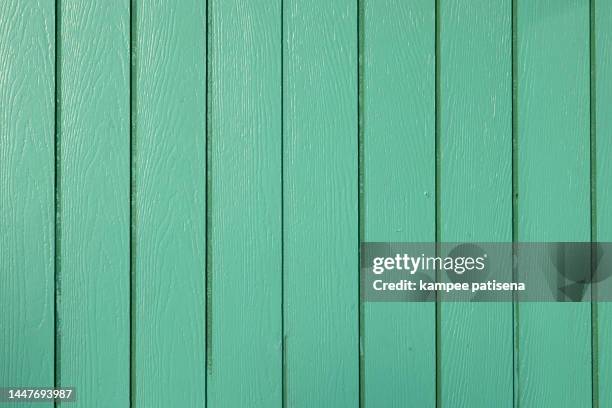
(184, 186)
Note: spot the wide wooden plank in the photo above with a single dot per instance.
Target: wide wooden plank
(602, 81)
(169, 208)
(320, 204)
(94, 164)
(553, 191)
(476, 340)
(27, 240)
(398, 160)
(245, 364)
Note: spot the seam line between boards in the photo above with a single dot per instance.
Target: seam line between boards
(437, 214)
(593, 203)
(57, 203)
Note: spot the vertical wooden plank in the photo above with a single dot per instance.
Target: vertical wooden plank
(94, 136)
(602, 71)
(27, 243)
(320, 203)
(398, 183)
(169, 207)
(553, 191)
(245, 365)
(476, 191)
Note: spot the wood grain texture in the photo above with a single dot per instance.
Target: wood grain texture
(169, 204)
(320, 204)
(27, 87)
(245, 364)
(282, 79)
(398, 192)
(94, 210)
(603, 179)
(476, 191)
(553, 191)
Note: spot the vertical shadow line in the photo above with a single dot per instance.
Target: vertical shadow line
(437, 177)
(57, 381)
(360, 193)
(207, 217)
(132, 210)
(282, 206)
(514, 160)
(593, 202)
(208, 272)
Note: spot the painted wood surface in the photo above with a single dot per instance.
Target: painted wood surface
(320, 217)
(168, 203)
(475, 184)
(601, 99)
(93, 208)
(184, 186)
(553, 145)
(27, 185)
(245, 354)
(398, 167)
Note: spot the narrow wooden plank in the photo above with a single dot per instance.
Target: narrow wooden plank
(245, 367)
(602, 71)
(94, 136)
(169, 204)
(27, 241)
(553, 191)
(476, 191)
(399, 160)
(320, 204)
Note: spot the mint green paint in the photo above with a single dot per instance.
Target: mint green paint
(94, 216)
(603, 180)
(169, 204)
(27, 210)
(320, 233)
(476, 342)
(398, 182)
(245, 360)
(273, 164)
(553, 191)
